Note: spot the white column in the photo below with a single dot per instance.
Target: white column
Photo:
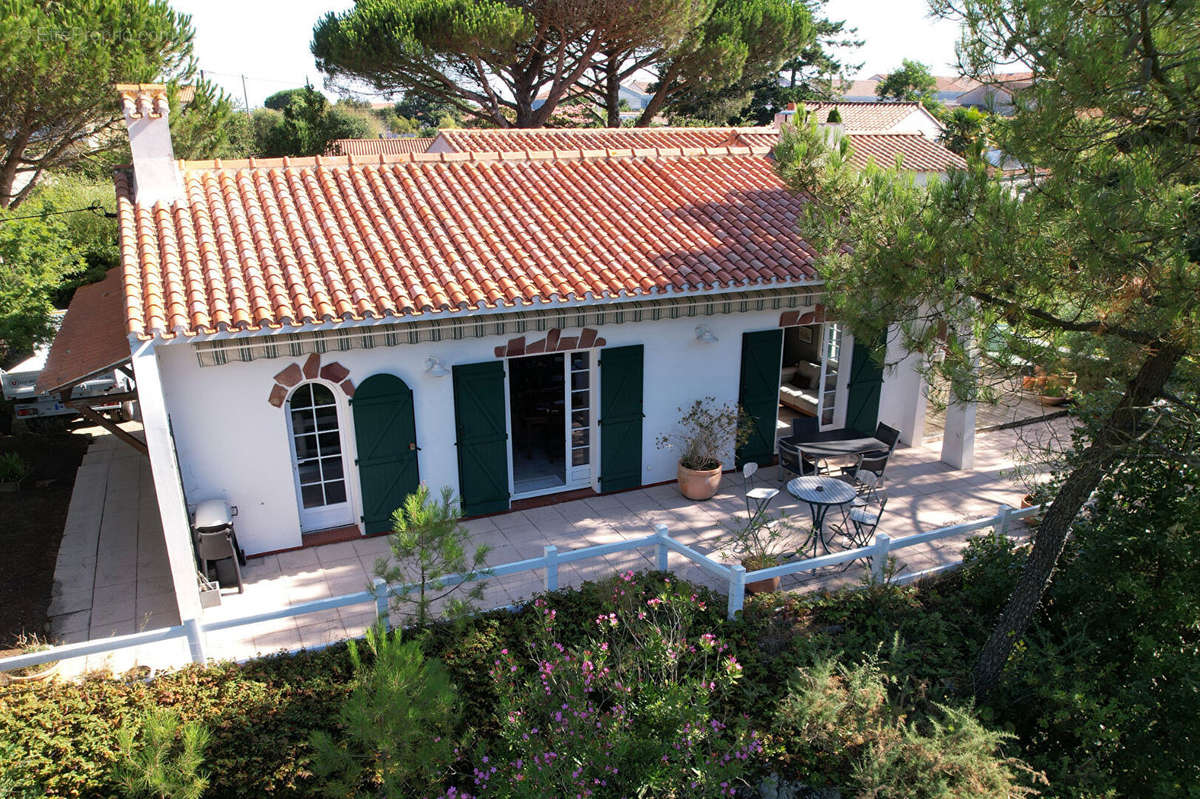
(902, 397)
(958, 441)
(167, 486)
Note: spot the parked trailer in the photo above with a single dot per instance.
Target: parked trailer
(37, 410)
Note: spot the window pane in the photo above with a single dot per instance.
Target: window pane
(579, 360)
(579, 399)
(579, 380)
(579, 419)
(331, 468)
(579, 438)
(310, 472)
(331, 443)
(302, 397)
(321, 394)
(302, 422)
(312, 496)
(579, 457)
(306, 447)
(327, 419)
(335, 492)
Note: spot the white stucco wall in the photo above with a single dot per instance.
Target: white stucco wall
(233, 444)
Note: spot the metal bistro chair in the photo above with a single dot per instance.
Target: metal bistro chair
(867, 472)
(217, 546)
(864, 519)
(804, 428)
(757, 499)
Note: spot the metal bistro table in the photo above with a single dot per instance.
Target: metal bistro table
(821, 494)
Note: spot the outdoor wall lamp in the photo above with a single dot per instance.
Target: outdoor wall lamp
(703, 333)
(435, 368)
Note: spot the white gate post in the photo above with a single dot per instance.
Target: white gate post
(1003, 521)
(661, 552)
(550, 553)
(381, 603)
(737, 589)
(195, 638)
(879, 555)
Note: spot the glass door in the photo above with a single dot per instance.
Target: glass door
(317, 459)
(579, 433)
(831, 351)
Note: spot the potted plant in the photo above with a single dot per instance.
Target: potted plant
(13, 470)
(31, 643)
(1053, 392)
(760, 543)
(706, 433)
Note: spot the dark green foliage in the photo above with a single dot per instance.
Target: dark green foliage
(304, 124)
(911, 81)
(36, 256)
(60, 60)
(396, 725)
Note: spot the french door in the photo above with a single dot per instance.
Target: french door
(318, 458)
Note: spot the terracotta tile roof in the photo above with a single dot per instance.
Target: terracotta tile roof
(272, 244)
(92, 338)
(919, 153)
(401, 144)
(867, 117)
(526, 139)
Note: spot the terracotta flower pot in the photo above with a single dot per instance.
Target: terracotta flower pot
(763, 586)
(1030, 521)
(1050, 400)
(699, 483)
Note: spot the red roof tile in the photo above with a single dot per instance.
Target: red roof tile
(401, 144)
(881, 117)
(92, 337)
(918, 153)
(297, 241)
(529, 139)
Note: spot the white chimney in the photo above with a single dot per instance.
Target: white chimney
(156, 176)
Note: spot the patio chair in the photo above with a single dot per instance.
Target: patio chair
(804, 428)
(760, 498)
(864, 519)
(216, 547)
(867, 472)
(791, 459)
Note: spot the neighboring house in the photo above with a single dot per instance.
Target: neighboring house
(386, 145)
(312, 337)
(994, 94)
(998, 95)
(635, 93)
(877, 117)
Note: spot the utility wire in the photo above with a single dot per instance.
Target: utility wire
(95, 208)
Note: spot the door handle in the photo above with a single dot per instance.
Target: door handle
(412, 446)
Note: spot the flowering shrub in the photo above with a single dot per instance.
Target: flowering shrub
(627, 712)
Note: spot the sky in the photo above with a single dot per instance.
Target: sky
(267, 40)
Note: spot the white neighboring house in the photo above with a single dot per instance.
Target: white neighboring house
(872, 117)
(311, 337)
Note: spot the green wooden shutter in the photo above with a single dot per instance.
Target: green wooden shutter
(758, 393)
(386, 434)
(482, 436)
(866, 381)
(620, 418)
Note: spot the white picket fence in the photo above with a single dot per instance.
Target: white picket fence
(734, 576)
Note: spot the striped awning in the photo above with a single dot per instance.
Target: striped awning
(449, 328)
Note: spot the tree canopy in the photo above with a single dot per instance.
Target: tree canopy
(490, 59)
(60, 61)
(302, 122)
(36, 256)
(911, 82)
(1103, 245)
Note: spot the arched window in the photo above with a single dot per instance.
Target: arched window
(317, 457)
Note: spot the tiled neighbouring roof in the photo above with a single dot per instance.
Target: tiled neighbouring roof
(275, 244)
(402, 144)
(522, 139)
(880, 117)
(92, 337)
(919, 153)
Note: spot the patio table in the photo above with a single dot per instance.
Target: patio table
(821, 494)
(841, 447)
